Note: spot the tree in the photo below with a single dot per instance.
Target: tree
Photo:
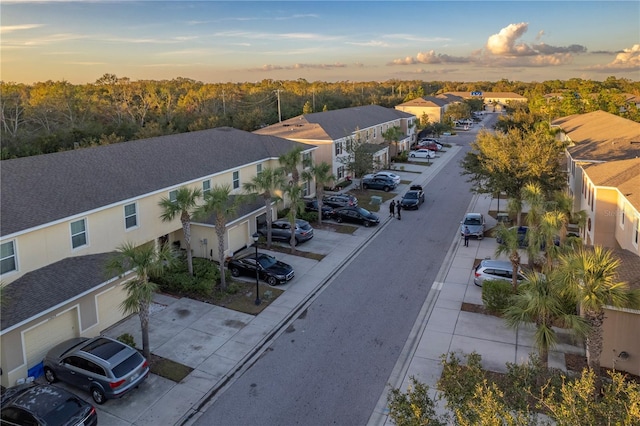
(358, 159)
(590, 278)
(539, 300)
(219, 203)
(289, 163)
(145, 260)
(321, 175)
(185, 203)
(266, 184)
(295, 194)
(391, 135)
(510, 246)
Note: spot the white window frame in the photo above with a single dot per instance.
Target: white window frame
(84, 231)
(338, 149)
(173, 195)
(128, 227)
(206, 186)
(258, 169)
(235, 177)
(636, 226)
(13, 255)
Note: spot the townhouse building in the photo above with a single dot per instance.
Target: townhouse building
(331, 131)
(63, 215)
(603, 177)
(429, 108)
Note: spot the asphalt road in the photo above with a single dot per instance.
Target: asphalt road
(333, 362)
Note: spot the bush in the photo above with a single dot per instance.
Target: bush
(496, 294)
(308, 216)
(127, 339)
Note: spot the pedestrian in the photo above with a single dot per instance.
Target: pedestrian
(466, 236)
(398, 209)
(392, 208)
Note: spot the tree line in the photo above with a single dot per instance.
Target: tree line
(53, 116)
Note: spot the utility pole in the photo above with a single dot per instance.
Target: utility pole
(224, 107)
(279, 111)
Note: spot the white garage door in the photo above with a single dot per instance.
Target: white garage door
(238, 237)
(43, 337)
(109, 311)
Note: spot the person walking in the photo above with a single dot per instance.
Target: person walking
(398, 209)
(392, 208)
(466, 236)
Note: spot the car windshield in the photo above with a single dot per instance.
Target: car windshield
(128, 365)
(267, 261)
(472, 221)
(411, 195)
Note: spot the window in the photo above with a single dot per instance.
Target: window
(8, 261)
(338, 148)
(635, 232)
(236, 179)
(306, 159)
(258, 170)
(206, 186)
(340, 172)
(78, 233)
(173, 195)
(307, 188)
(130, 216)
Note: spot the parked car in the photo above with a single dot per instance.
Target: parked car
(412, 199)
(475, 223)
(103, 366)
(390, 175)
(379, 182)
(422, 153)
(270, 269)
(494, 270)
(340, 200)
(427, 145)
(430, 140)
(44, 404)
(357, 215)
(312, 206)
(522, 237)
(281, 230)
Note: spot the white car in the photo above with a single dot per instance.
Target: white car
(422, 153)
(389, 175)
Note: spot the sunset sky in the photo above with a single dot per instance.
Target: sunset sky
(219, 41)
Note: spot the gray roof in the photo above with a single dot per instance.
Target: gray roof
(44, 288)
(335, 124)
(41, 189)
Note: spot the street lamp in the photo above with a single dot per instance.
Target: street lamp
(256, 236)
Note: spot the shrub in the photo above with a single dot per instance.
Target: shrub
(308, 216)
(127, 339)
(496, 294)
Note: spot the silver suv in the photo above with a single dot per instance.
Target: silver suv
(494, 270)
(105, 367)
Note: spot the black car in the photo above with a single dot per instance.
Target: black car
(412, 200)
(355, 214)
(44, 404)
(312, 206)
(340, 200)
(270, 269)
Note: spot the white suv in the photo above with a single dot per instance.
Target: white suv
(494, 270)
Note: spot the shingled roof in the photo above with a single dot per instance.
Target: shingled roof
(41, 189)
(623, 174)
(601, 136)
(425, 102)
(333, 125)
(45, 288)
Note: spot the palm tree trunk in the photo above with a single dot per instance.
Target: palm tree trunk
(594, 344)
(144, 327)
(186, 227)
(267, 205)
(223, 278)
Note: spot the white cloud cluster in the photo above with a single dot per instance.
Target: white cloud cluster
(628, 59)
(269, 67)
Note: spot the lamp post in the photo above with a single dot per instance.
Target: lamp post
(256, 236)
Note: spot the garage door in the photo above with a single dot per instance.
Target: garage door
(109, 311)
(43, 337)
(238, 237)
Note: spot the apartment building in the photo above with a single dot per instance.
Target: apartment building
(64, 214)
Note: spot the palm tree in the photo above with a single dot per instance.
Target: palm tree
(218, 201)
(266, 184)
(289, 163)
(539, 300)
(185, 203)
(391, 135)
(321, 174)
(146, 261)
(296, 202)
(510, 245)
(589, 277)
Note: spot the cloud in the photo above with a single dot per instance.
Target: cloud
(6, 29)
(429, 57)
(627, 60)
(504, 43)
(269, 67)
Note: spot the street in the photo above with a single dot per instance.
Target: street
(334, 360)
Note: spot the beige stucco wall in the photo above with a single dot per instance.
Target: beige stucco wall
(626, 217)
(434, 113)
(621, 330)
(604, 218)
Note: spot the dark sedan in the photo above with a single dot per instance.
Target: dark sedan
(270, 269)
(355, 214)
(43, 404)
(341, 200)
(312, 206)
(412, 200)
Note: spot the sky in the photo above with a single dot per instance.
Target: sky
(250, 41)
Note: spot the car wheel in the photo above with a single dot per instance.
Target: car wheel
(365, 186)
(386, 189)
(338, 219)
(235, 272)
(98, 395)
(272, 281)
(50, 375)
(412, 156)
(366, 224)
